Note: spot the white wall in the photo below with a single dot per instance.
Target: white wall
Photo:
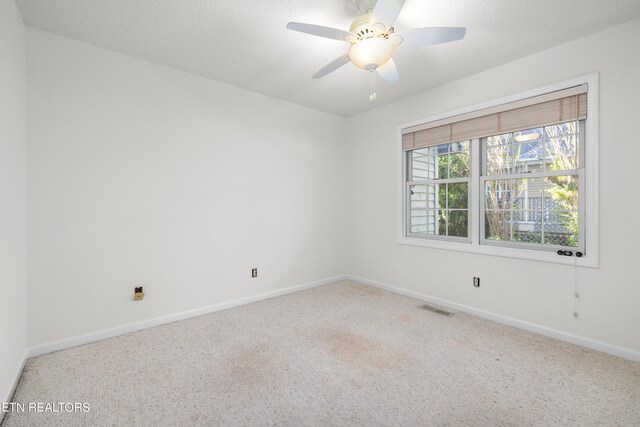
(530, 291)
(13, 194)
(144, 175)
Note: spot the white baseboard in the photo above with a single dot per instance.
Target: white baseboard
(14, 385)
(146, 324)
(614, 350)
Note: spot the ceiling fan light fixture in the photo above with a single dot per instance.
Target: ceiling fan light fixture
(373, 39)
(371, 53)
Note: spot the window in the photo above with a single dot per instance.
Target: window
(510, 178)
(439, 191)
(530, 182)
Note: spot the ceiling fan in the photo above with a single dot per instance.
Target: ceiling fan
(373, 40)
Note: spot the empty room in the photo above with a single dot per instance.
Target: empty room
(335, 213)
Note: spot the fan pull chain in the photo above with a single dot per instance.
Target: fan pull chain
(372, 86)
(576, 293)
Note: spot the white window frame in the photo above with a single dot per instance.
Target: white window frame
(590, 220)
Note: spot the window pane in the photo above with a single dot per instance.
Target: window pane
(440, 162)
(428, 218)
(422, 198)
(561, 147)
(458, 223)
(431, 222)
(561, 192)
(459, 165)
(418, 209)
(527, 226)
(513, 226)
(443, 166)
(516, 211)
(440, 195)
(496, 140)
(561, 228)
(561, 208)
(459, 159)
(497, 225)
(523, 193)
(458, 195)
(551, 148)
(423, 165)
(529, 194)
(499, 159)
(528, 156)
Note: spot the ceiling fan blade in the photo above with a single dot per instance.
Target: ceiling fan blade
(332, 66)
(319, 30)
(388, 71)
(418, 37)
(386, 12)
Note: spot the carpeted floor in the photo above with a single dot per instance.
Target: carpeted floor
(343, 354)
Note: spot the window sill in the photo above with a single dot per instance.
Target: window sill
(525, 254)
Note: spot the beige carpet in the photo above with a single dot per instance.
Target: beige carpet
(340, 355)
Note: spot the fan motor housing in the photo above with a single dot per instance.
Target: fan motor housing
(360, 23)
(362, 28)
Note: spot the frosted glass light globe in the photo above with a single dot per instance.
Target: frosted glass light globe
(371, 53)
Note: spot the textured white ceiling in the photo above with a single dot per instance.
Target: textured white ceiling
(245, 42)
